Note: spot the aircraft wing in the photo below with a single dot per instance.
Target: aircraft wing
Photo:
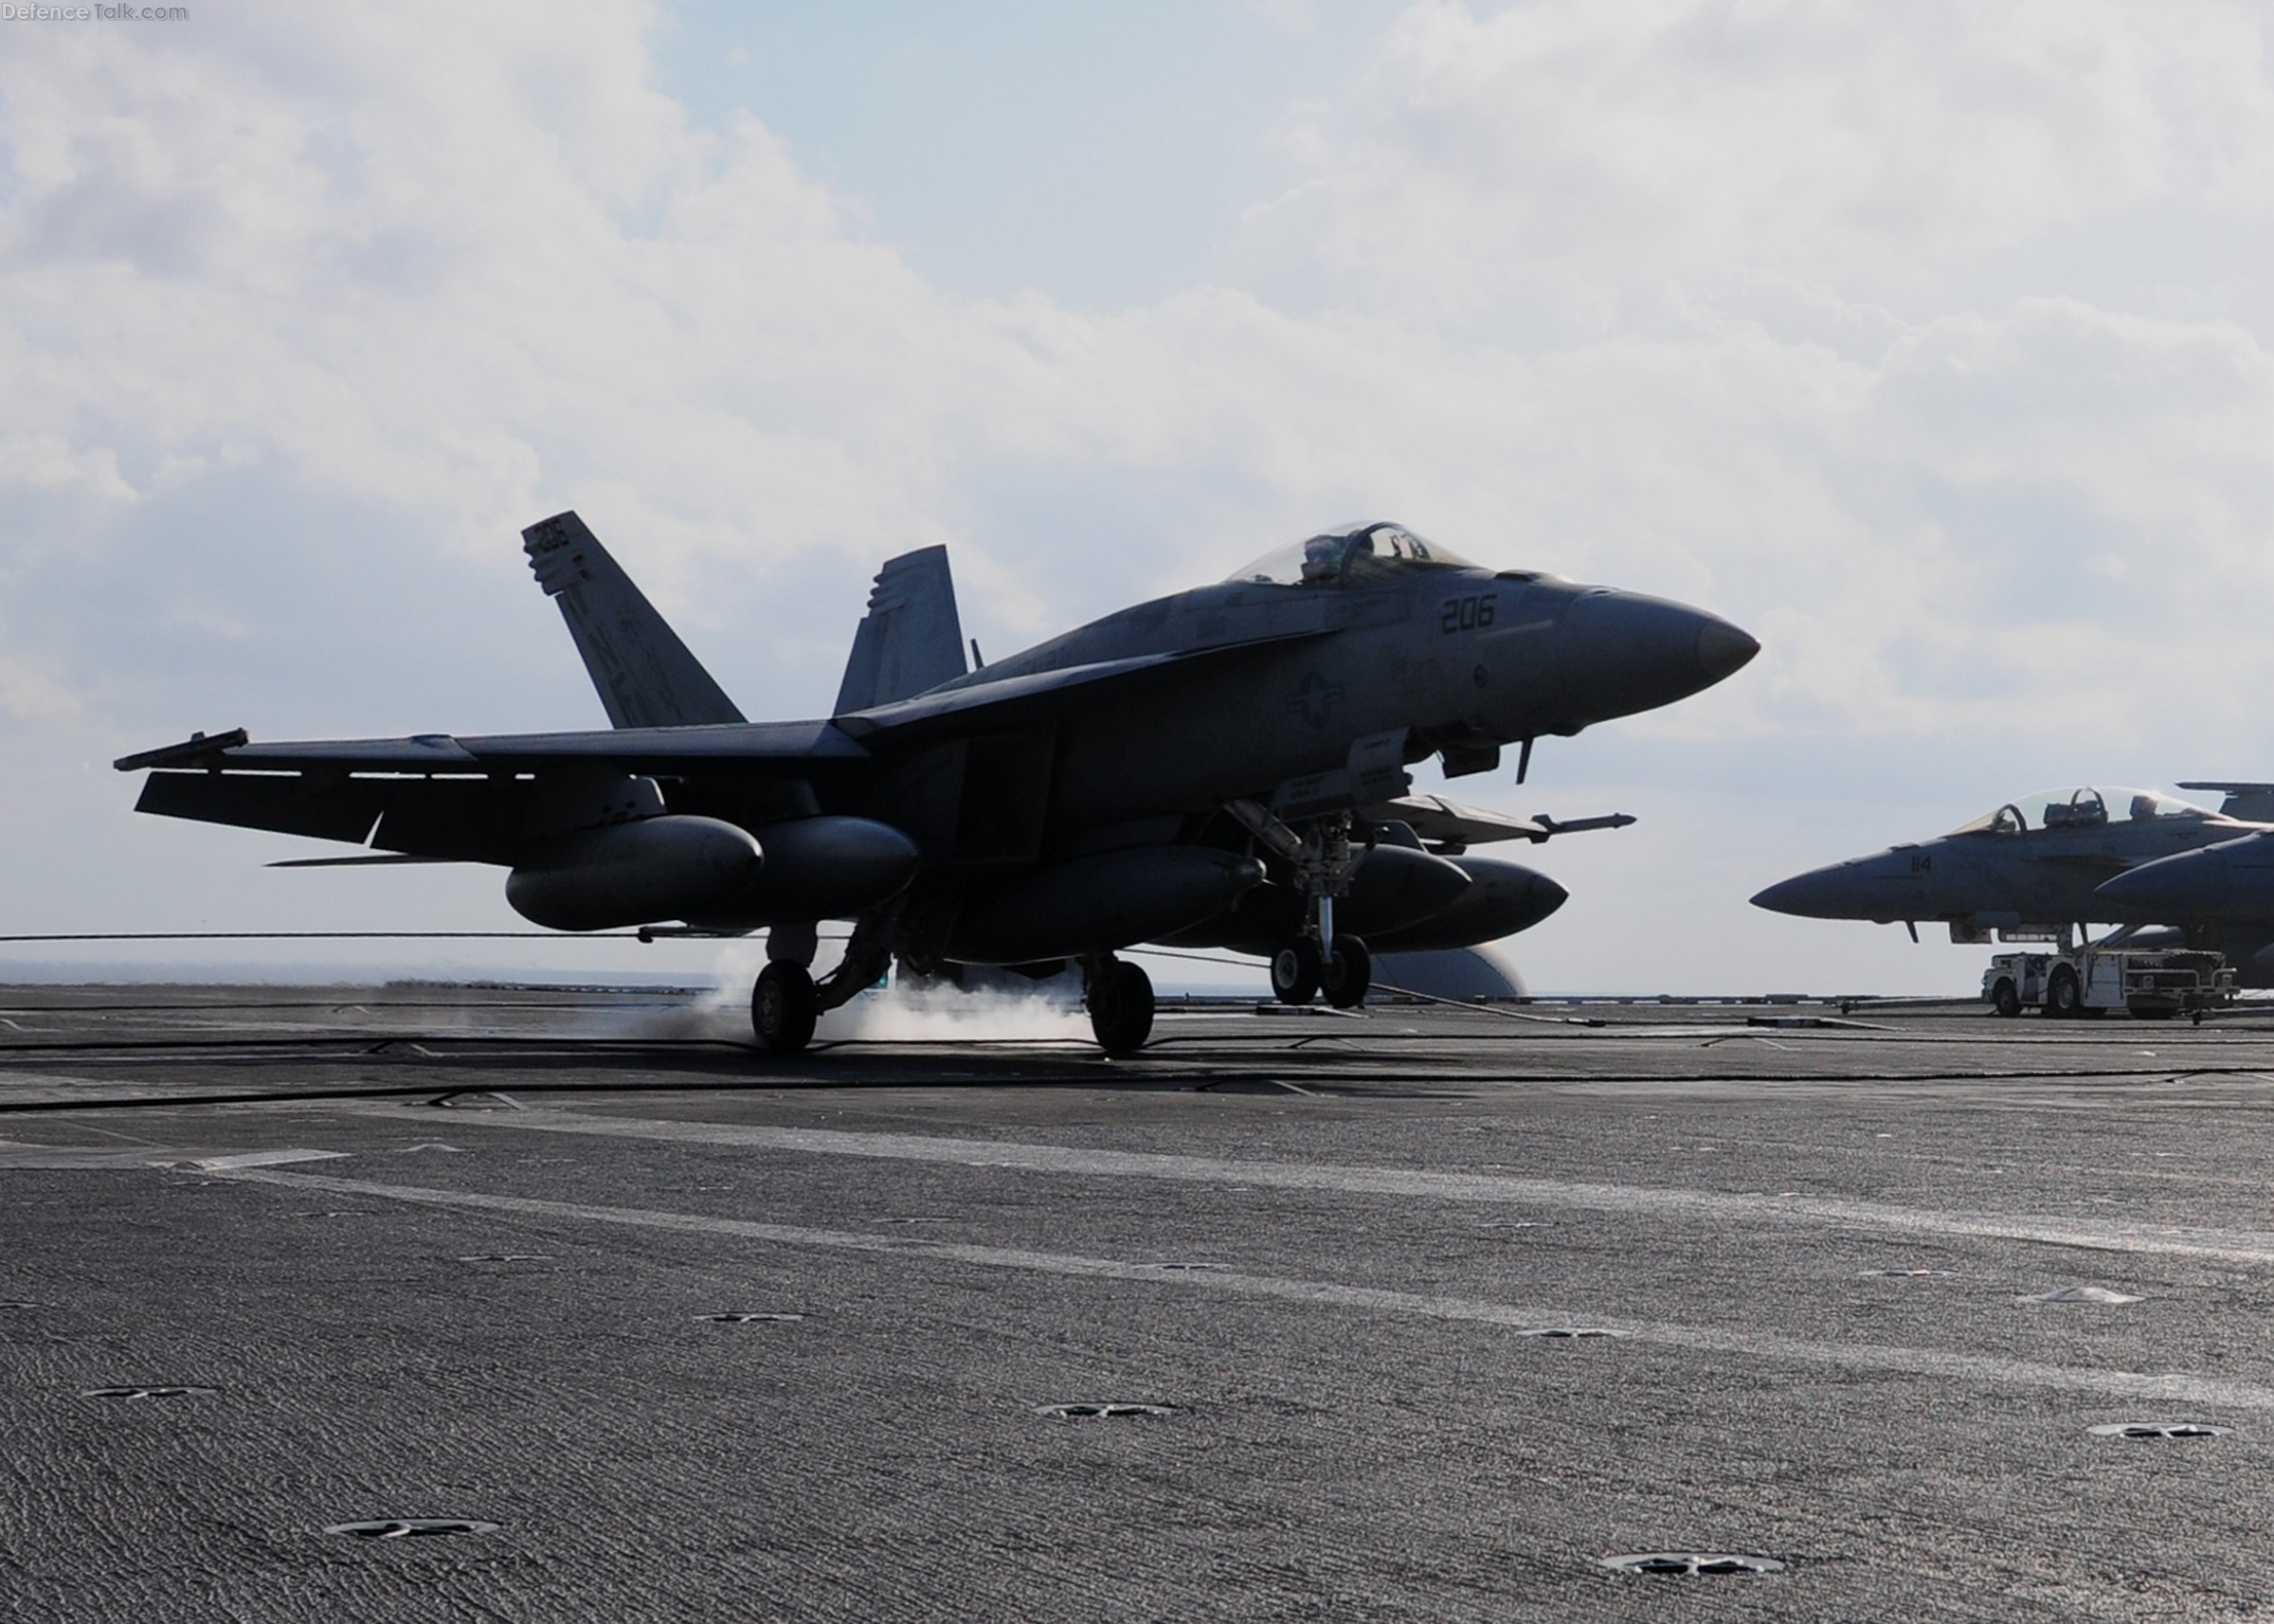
(629, 749)
(1449, 823)
(469, 800)
(474, 799)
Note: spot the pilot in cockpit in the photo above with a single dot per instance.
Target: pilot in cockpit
(1327, 559)
(2082, 810)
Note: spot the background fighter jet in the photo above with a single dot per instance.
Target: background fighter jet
(2219, 896)
(2035, 865)
(1225, 765)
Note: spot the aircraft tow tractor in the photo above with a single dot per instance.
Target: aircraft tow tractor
(2153, 983)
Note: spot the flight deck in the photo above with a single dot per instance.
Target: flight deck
(431, 1302)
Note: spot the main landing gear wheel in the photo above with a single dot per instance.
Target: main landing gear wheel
(2063, 998)
(784, 1006)
(1348, 973)
(1296, 973)
(1121, 1007)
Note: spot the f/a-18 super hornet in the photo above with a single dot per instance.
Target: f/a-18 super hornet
(1222, 767)
(2034, 867)
(2218, 896)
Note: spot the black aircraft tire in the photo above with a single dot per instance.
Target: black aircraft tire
(2064, 1001)
(2004, 999)
(1349, 971)
(1296, 973)
(1121, 1008)
(783, 1007)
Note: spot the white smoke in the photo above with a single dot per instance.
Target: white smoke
(954, 1015)
(892, 1014)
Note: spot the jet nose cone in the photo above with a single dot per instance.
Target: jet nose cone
(1820, 893)
(1625, 653)
(2194, 885)
(1778, 898)
(1782, 898)
(1722, 649)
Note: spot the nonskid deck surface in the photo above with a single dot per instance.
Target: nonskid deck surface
(1282, 1318)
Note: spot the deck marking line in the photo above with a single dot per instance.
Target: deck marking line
(2176, 1387)
(2251, 1246)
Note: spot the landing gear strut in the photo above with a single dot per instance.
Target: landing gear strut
(787, 1000)
(1324, 861)
(1120, 995)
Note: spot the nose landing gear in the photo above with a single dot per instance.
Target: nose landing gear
(1324, 861)
(1296, 971)
(1347, 973)
(1344, 972)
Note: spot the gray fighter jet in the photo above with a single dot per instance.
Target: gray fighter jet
(2033, 867)
(2219, 896)
(1223, 765)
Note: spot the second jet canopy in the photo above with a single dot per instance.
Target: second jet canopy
(2084, 808)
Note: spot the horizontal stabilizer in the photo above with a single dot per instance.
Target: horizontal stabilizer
(645, 676)
(911, 640)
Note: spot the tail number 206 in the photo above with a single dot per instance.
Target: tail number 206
(1467, 614)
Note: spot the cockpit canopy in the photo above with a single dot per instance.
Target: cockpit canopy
(2085, 808)
(1355, 556)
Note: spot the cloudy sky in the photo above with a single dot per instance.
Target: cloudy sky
(1923, 341)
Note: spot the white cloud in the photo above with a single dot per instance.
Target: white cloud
(50, 462)
(1585, 157)
(33, 699)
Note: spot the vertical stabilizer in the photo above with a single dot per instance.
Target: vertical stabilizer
(645, 676)
(912, 640)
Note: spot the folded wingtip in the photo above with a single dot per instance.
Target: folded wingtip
(194, 749)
